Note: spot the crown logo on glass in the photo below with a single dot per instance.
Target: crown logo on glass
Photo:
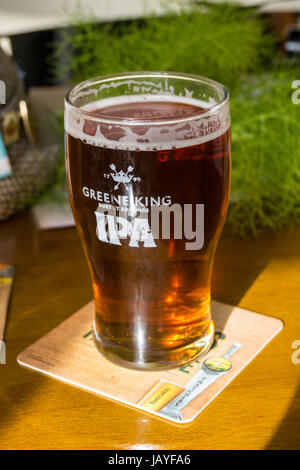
(121, 177)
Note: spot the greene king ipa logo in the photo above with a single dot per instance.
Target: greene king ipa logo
(143, 219)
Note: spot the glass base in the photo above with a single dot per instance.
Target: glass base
(155, 360)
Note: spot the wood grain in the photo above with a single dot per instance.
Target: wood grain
(259, 409)
(5, 289)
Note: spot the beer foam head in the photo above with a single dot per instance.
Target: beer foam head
(146, 135)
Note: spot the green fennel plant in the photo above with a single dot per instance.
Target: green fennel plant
(228, 44)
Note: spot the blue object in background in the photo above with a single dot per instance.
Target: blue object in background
(5, 168)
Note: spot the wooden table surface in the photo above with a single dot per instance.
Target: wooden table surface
(259, 409)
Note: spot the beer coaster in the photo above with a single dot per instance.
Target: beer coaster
(68, 354)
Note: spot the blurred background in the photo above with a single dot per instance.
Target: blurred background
(251, 46)
(34, 26)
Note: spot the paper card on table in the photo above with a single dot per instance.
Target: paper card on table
(50, 215)
(68, 353)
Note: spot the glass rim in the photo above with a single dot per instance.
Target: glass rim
(102, 118)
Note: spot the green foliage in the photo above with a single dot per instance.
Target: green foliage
(266, 153)
(228, 44)
(218, 41)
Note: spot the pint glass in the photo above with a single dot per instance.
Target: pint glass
(148, 173)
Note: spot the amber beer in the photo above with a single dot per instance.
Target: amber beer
(142, 150)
